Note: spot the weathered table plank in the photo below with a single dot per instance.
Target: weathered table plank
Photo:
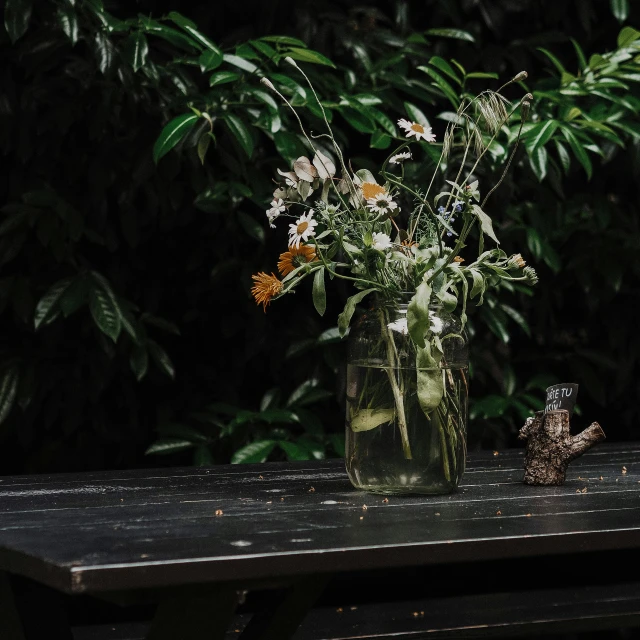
(144, 529)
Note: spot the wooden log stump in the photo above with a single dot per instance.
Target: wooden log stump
(550, 446)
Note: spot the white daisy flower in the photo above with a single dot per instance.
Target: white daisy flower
(302, 230)
(417, 130)
(381, 203)
(400, 157)
(400, 326)
(381, 241)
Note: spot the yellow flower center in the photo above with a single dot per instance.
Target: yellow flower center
(302, 227)
(418, 128)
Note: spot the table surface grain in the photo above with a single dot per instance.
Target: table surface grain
(154, 528)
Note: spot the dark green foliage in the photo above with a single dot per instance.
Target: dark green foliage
(141, 153)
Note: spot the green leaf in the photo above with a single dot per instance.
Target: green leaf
(136, 50)
(479, 284)
(161, 359)
(222, 77)
(8, 391)
(165, 446)
(241, 133)
(444, 86)
(257, 451)
(139, 362)
(48, 308)
(344, 319)
(210, 60)
(380, 140)
(457, 34)
(418, 320)
(358, 119)
(307, 55)
(319, 293)
(556, 63)
(294, 451)
(578, 150)
(69, 22)
(105, 52)
(169, 34)
(251, 226)
(540, 134)
(190, 27)
(172, 133)
(538, 160)
(485, 222)
(75, 296)
(582, 59)
(627, 36)
(367, 419)
(517, 318)
(563, 154)
(104, 307)
(284, 40)
(289, 146)
(482, 75)
(445, 67)
(416, 115)
(17, 14)
(430, 381)
(241, 63)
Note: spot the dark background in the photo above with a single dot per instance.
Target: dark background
(171, 247)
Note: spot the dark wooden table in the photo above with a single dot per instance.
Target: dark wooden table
(192, 539)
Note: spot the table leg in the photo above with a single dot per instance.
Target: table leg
(10, 624)
(285, 611)
(195, 616)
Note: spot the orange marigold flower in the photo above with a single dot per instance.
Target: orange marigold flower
(295, 257)
(458, 259)
(266, 286)
(371, 190)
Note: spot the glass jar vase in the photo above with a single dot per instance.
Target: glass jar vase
(406, 406)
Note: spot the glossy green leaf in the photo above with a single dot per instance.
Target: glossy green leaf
(445, 67)
(8, 391)
(173, 133)
(578, 150)
(139, 362)
(68, 19)
(104, 307)
(294, 451)
(554, 60)
(75, 296)
(257, 451)
(136, 50)
(457, 34)
(344, 319)
(105, 52)
(357, 119)
(538, 160)
(161, 359)
(540, 134)
(169, 34)
(319, 293)
(166, 446)
(307, 55)
(517, 317)
(251, 226)
(240, 132)
(380, 140)
(222, 77)
(48, 309)
(241, 63)
(284, 41)
(17, 14)
(209, 60)
(415, 115)
(628, 36)
(289, 146)
(191, 28)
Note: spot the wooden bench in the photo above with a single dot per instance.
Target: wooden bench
(496, 558)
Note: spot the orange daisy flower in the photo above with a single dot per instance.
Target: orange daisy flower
(266, 286)
(295, 257)
(371, 190)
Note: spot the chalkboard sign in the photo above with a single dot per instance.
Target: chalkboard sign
(562, 396)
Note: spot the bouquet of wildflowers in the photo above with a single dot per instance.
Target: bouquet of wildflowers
(349, 223)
